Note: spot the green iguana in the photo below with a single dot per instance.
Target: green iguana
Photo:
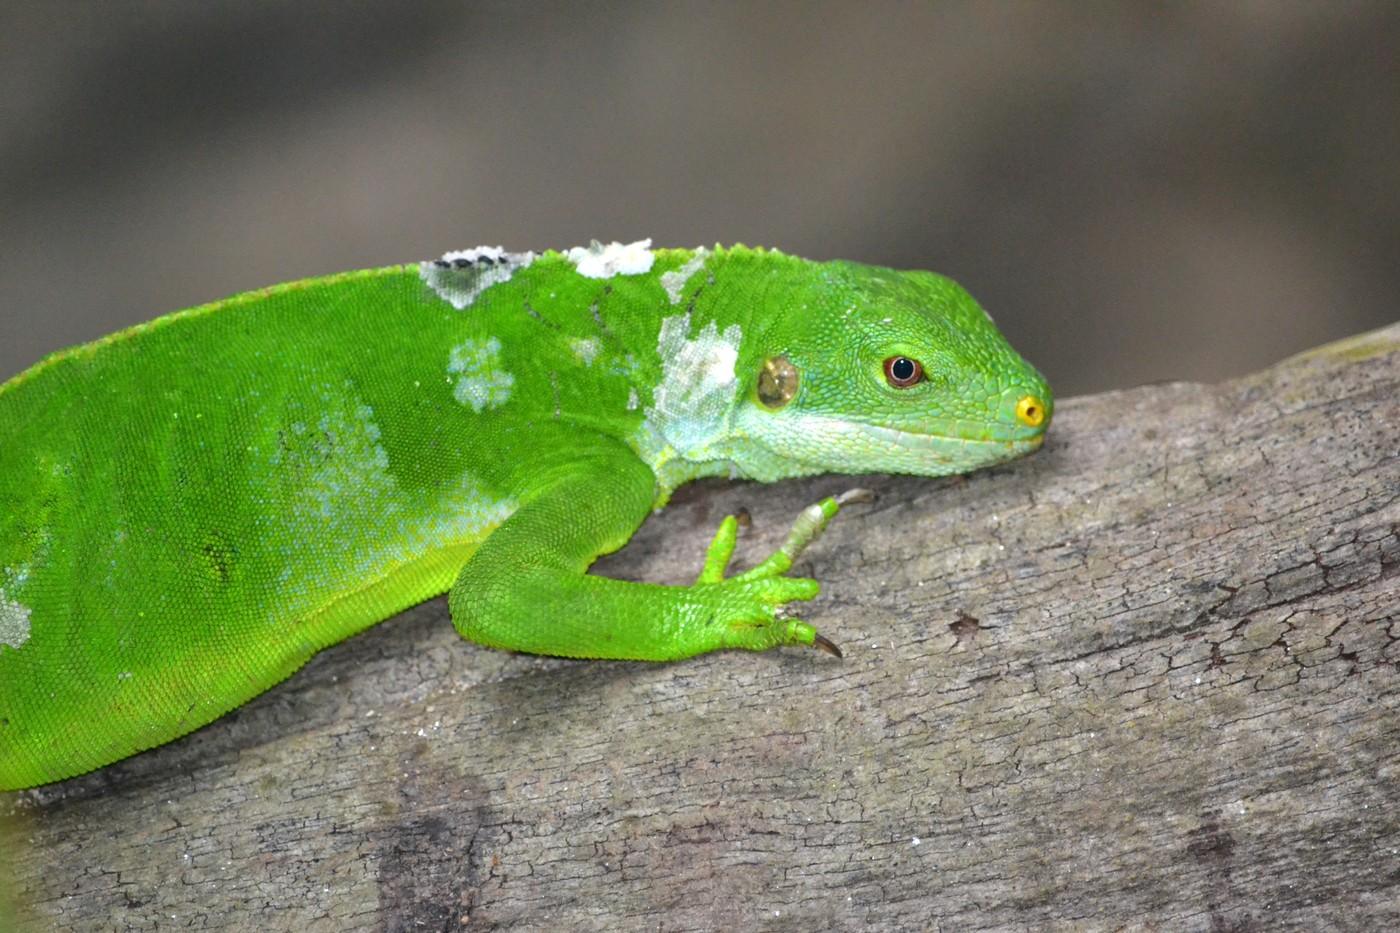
(192, 508)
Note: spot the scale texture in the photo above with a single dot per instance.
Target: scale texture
(189, 510)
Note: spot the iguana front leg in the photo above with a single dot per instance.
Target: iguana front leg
(526, 588)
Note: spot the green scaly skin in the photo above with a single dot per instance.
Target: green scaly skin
(192, 508)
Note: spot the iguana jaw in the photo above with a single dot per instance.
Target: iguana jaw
(766, 449)
(929, 454)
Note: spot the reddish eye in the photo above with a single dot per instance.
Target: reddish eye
(902, 372)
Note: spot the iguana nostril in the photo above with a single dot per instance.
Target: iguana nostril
(1030, 411)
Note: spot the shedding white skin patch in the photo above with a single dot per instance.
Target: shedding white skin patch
(14, 621)
(481, 382)
(692, 404)
(600, 261)
(674, 282)
(585, 349)
(459, 278)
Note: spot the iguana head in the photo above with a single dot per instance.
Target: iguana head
(868, 369)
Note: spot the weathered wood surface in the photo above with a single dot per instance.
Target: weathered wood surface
(1148, 676)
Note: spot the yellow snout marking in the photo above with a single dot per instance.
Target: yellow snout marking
(1030, 411)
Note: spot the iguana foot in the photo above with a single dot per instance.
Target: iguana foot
(751, 599)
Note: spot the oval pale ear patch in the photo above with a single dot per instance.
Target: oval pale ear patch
(777, 382)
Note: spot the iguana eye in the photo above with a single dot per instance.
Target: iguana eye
(902, 372)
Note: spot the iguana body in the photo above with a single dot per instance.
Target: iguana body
(192, 508)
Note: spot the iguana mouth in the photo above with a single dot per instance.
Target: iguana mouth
(938, 443)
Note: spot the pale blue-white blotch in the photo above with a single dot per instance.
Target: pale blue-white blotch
(346, 485)
(585, 349)
(674, 282)
(482, 382)
(692, 402)
(14, 621)
(460, 277)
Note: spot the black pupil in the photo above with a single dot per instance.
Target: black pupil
(902, 369)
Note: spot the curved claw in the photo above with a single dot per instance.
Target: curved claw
(825, 644)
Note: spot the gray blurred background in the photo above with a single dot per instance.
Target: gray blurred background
(1137, 192)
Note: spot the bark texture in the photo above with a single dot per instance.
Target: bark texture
(1150, 675)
